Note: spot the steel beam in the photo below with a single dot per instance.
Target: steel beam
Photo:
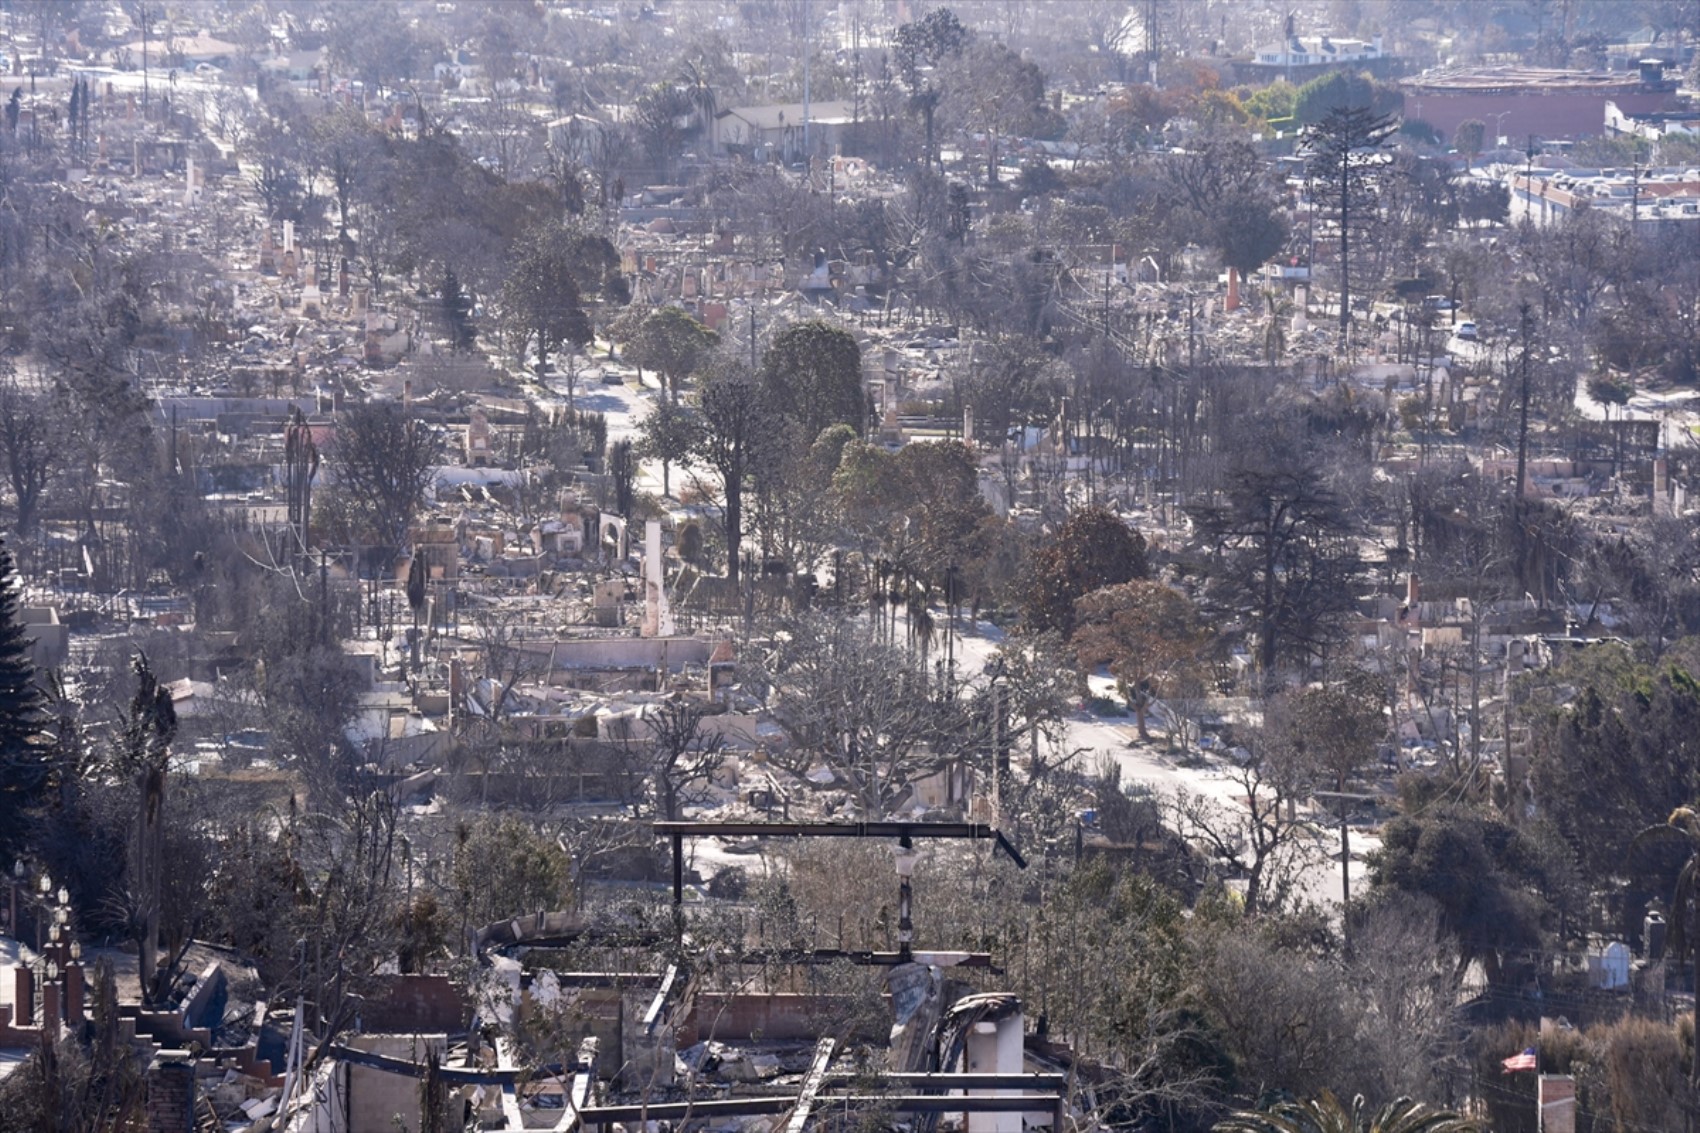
(811, 1086)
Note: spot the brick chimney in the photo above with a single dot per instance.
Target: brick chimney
(74, 987)
(171, 1093)
(24, 995)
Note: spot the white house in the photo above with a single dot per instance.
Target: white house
(766, 132)
(1315, 50)
(1652, 126)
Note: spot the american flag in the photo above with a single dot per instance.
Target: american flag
(1524, 1061)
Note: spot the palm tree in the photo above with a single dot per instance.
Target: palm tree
(1327, 1114)
(917, 604)
(876, 596)
(693, 80)
(1681, 828)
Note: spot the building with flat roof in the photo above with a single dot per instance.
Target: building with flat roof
(1654, 199)
(1516, 102)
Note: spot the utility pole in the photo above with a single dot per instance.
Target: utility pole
(1151, 41)
(1525, 321)
(1345, 240)
(1191, 339)
(145, 18)
(1634, 196)
(807, 152)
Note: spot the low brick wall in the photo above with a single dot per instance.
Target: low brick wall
(775, 1017)
(414, 1004)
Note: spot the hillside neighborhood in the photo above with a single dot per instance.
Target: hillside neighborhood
(762, 566)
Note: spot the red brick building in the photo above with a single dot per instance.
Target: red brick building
(1519, 101)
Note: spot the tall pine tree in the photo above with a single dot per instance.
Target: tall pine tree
(23, 759)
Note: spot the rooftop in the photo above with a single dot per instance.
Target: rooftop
(1527, 80)
(791, 113)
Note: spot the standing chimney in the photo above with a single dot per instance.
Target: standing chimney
(171, 1093)
(52, 1006)
(24, 995)
(74, 993)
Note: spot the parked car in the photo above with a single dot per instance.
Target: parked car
(1466, 331)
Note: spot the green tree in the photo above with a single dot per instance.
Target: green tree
(1683, 829)
(1282, 555)
(1619, 754)
(1139, 112)
(1328, 1114)
(672, 343)
(1221, 185)
(1341, 90)
(1272, 102)
(813, 374)
(543, 303)
(664, 118)
(1249, 230)
(919, 48)
(24, 761)
(1486, 875)
(558, 271)
(1216, 109)
(999, 94)
(1468, 137)
(622, 473)
(741, 435)
(929, 493)
(1006, 386)
(1091, 550)
(1146, 632)
(378, 45)
(457, 313)
(1333, 729)
(669, 435)
(503, 868)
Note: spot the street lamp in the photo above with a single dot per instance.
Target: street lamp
(12, 896)
(906, 858)
(1498, 126)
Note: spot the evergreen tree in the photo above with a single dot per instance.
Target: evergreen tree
(457, 310)
(812, 374)
(1345, 158)
(23, 762)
